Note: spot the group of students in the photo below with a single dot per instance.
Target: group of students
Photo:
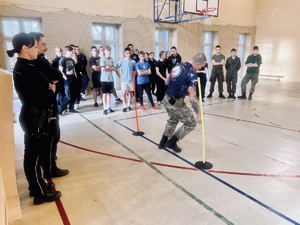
(232, 66)
(135, 68)
(35, 81)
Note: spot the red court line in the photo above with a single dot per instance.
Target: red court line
(183, 167)
(248, 121)
(61, 209)
(274, 124)
(100, 153)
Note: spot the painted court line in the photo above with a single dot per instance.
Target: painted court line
(211, 210)
(181, 167)
(224, 182)
(61, 209)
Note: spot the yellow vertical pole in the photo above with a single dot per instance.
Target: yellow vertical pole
(202, 119)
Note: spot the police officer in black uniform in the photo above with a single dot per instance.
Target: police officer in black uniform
(35, 93)
(49, 166)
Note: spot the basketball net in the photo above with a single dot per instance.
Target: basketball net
(208, 17)
(208, 20)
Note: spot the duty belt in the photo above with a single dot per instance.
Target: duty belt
(175, 101)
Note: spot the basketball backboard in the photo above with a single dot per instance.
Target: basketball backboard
(195, 6)
(180, 11)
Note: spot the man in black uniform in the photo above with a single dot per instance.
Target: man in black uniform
(36, 95)
(53, 75)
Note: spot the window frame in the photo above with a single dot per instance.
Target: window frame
(161, 45)
(7, 40)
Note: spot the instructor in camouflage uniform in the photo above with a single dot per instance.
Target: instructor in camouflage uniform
(182, 82)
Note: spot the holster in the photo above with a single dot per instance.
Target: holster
(41, 118)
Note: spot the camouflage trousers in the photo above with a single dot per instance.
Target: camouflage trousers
(178, 114)
(231, 80)
(254, 80)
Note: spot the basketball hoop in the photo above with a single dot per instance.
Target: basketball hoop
(206, 13)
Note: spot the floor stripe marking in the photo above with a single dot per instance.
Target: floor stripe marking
(182, 167)
(224, 182)
(61, 209)
(218, 215)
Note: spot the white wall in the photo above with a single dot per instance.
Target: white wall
(278, 35)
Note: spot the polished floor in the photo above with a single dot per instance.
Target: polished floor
(118, 178)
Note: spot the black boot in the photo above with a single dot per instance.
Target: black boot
(221, 95)
(243, 96)
(232, 96)
(171, 143)
(210, 95)
(229, 96)
(250, 96)
(163, 142)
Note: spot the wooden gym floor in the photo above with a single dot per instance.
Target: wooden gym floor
(118, 178)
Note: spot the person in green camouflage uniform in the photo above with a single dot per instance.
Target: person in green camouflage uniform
(218, 61)
(182, 81)
(232, 65)
(252, 63)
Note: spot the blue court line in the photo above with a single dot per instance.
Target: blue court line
(203, 204)
(220, 180)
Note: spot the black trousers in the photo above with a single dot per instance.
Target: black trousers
(49, 160)
(35, 142)
(161, 89)
(203, 81)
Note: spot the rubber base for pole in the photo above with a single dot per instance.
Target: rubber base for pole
(203, 165)
(138, 133)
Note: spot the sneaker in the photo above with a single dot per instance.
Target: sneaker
(155, 107)
(76, 106)
(143, 107)
(96, 104)
(47, 197)
(129, 108)
(105, 111)
(124, 109)
(118, 100)
(110, 110)
(82, 95)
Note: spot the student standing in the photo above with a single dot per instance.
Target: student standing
(253, 63)
(233, 64)
(161, 68)
(143, 81)
(94, 63)
(218, 61)
(201, 73)
(108, 66)
(127, 72)
(67, 68)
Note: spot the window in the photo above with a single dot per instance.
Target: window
(241, 51)
(107, 34)
(207, 44)
(11, 27)
(104, 34)
(162, 41)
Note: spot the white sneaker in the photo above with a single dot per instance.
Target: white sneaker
(82, 95)
(76, 106)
